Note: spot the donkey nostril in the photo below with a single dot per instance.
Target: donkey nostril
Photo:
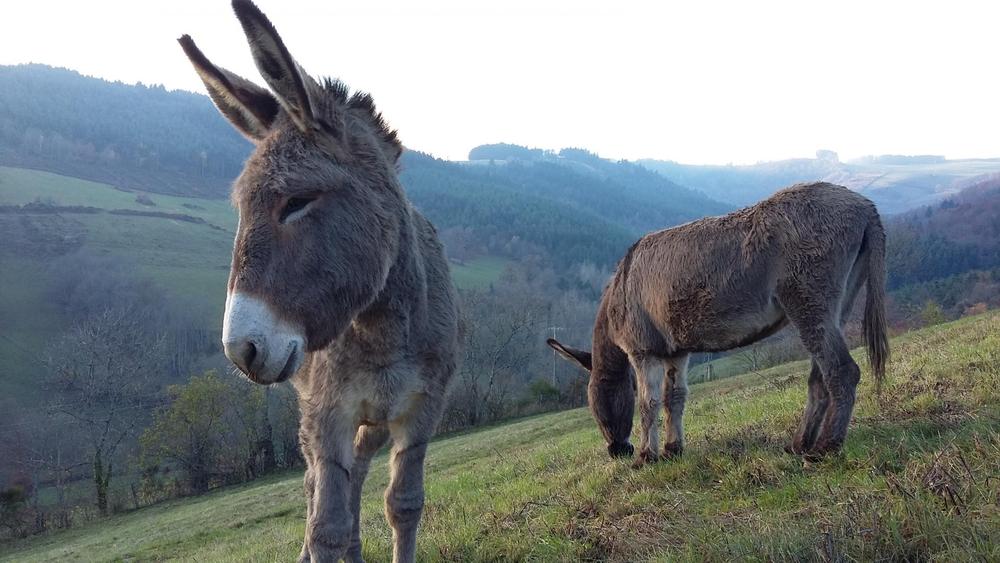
(242, 353)
(249, 354)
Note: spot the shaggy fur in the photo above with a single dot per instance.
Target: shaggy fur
(359, 270)
(719, 283)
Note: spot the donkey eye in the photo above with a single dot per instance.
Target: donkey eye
(294, 208)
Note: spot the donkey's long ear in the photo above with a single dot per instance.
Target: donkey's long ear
(579, 357)
(276, 65)
(250, 108)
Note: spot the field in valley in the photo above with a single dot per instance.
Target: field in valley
(919, 479)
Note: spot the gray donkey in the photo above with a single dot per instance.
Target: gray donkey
(719, 283)
(338, 284)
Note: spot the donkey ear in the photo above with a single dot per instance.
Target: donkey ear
(275, 64)
(580, 357)
(250, 108)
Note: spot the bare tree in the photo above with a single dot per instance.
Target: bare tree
(101, 372)
(751, 358)
(502, 330)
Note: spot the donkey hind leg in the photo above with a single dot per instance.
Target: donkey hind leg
(816, 405)
(840, 375)
(368, 441)
(649, 380)
(674, 396)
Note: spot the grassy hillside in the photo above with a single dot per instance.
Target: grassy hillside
(918, 480)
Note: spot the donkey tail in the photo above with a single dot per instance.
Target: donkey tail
(876, 332)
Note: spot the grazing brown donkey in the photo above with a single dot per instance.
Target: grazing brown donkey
(719, 283)
(337, 283)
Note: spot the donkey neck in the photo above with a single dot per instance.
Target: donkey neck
(387, 321)
(610, 363)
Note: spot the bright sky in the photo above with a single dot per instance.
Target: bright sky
(698, 82)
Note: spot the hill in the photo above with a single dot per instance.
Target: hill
(948, 252)
(130, 136)
(894, 183)
(147, 139)
(918, 480)
(618, 191)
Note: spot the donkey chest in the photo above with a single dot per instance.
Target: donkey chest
(372, 396)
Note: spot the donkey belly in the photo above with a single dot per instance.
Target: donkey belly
(725, 330)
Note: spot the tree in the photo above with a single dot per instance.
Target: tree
(542, 392)
(751, 358)
(101, 372)
(932, 314)
(186, 432)
(501, 333)
(211, 430)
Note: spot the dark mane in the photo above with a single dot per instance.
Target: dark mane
(341, 95)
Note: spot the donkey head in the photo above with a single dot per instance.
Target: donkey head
(610, 393)
(320, 207)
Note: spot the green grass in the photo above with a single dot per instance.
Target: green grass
(19, 186)
(478, 273)
(919, 479)
(726, 366)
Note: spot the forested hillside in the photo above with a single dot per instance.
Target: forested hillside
(621, 191)
(133, 137)
(948, 253)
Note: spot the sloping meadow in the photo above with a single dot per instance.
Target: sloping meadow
(919, 479)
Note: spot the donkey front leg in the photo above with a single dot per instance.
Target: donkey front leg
(367, 442)
(674, 397)
(309, 485)
(310, 489)
(329, 526)
(649, 380)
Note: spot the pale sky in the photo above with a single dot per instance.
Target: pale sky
(693, 81)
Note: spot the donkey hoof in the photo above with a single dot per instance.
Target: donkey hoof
(671, 451)
(328, 542)
(821, 451)
(621, 450)
(794, 448)
(813, 456)
(644, 457)
(354, 555)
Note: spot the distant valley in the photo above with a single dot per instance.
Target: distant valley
(894, 183)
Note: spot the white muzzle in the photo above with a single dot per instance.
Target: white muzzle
(264, 347)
